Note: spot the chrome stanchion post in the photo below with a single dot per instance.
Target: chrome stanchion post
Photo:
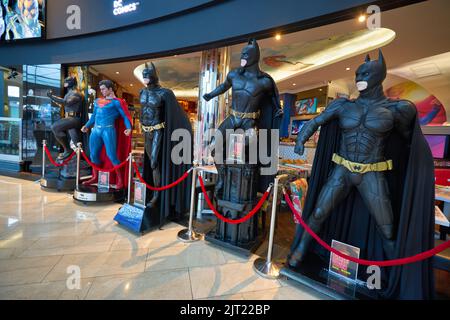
(44, 144)
(130, 163)
(189, 235)
(78, 164)
(266, 267)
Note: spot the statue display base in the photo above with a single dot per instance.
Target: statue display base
(137, 219)
(242, 249)
(62, 178)
(313, 273)
(53, 181)
(91, 194)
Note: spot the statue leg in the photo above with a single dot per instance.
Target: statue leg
(74, 131)
(59, 129)
(155, 165)
(219, 159)
(375, 194)
(95, 147)
(110, 139)
(333, 192)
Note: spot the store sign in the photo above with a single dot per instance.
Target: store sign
(120, 8)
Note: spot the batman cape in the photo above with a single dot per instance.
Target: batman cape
(173, 203)
(411, 186)
(270, 105)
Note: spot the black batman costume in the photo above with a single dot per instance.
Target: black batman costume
(372, 184)
(255, 104)
(160, 116)
(70, 125)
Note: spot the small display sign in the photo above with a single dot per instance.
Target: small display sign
(343, 267)
(139, 194)
(236, 148)
(103, 180)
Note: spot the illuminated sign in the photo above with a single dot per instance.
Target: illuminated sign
(120, 8)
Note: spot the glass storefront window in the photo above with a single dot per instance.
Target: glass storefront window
(39, 113)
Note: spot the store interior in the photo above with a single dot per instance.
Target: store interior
(310, 67)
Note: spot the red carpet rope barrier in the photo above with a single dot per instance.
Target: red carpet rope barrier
(102, 169)
(66, 161)
(237, 221)
(387, 263)
(173, 184)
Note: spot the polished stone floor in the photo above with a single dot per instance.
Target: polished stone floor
(45, 236)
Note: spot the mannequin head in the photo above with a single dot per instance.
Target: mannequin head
(70, 82)
(371, 74)
(107, 88)
(150, 74)
(250, 54)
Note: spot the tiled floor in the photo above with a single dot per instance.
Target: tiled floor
(45, 237)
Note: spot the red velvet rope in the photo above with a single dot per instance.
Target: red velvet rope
(221, 217)
(387, 263)
(49, 156)
(102, 169)
(173, 184)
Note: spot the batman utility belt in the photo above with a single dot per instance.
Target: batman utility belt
(153, 128)
(245, 115)
(356, 167)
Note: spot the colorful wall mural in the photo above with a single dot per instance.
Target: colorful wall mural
(430, 109)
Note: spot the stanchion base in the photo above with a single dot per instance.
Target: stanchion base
(53, 182)
(186, 236)
(268, 270)
(91, 194)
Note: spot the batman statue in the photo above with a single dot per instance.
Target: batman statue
(255, 104)
(160, 116)
(372, 184)
(70, 125)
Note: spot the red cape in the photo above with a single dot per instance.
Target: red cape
(123, 146)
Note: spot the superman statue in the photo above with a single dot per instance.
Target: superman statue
(110, 139)
(372, 185)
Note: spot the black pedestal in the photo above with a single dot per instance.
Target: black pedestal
(54, 181)
(62, 178)
(238, 198)
(313, 273)
(91, 194)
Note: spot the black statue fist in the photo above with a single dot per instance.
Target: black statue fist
(207, 97)
(279, 113)
(299, 149)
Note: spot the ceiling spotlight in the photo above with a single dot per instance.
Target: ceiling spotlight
(278, 36)
(117, 72)
(347, 69)
(362, 18)
(131, 84)
(320, 89)
(294, 84)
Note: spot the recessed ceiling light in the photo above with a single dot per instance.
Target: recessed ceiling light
(362, 18)
(117, 72)
(131, 84)
(347, 69)
(320, 89)
(278, 36)
(294, 84)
